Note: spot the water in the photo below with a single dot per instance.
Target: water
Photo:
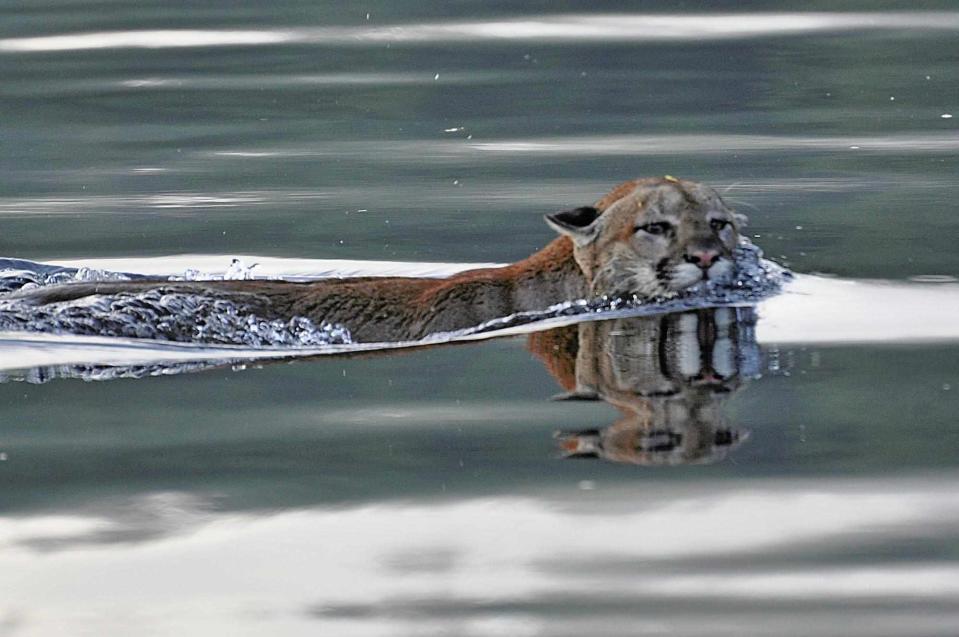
(167, 313)
(801, 482)
(157, 314)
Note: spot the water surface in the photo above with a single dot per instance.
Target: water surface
(424, 493)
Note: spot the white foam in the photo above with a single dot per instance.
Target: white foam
(811, 310)
(271, 267)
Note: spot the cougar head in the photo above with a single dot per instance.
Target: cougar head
(652, 238)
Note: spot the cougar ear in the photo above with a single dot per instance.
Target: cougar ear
(579, 224)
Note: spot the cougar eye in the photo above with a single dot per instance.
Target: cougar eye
(718, 224)
(659, 227)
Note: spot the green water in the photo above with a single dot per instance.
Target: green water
(421, 493)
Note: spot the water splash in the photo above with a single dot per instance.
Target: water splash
(154, 314)
(91, 373)
(16, 274)
(160, 314)
(238, 271)
(19, 274)
(212, 318)
(754, 279)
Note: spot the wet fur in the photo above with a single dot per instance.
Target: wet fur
(613, 262)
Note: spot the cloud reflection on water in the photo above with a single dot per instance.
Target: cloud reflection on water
(601, 146)
(505, 557)
(549, 28)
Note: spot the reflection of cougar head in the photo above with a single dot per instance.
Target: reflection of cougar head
(699, 443)
(655, 238)
(667, 375)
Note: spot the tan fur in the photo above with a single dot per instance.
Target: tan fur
(617, 260)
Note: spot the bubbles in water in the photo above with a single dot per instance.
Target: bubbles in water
(190, 274)
(26, 275)
(754, 279)
(154, 314)
(238, 271)
(41, 375)
(160, 314)
(166, 314)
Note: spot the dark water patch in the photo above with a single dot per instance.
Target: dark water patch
(612, 603)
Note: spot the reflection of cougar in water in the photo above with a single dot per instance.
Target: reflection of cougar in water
(668, 376)
(649, 237)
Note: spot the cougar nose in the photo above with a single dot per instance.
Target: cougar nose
(702, 258)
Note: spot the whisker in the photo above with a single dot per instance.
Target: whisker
(740, 202)
(731, 186)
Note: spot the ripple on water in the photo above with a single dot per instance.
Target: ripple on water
(753, 280)
(212, 318)
(621, 27)
(933, 278)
